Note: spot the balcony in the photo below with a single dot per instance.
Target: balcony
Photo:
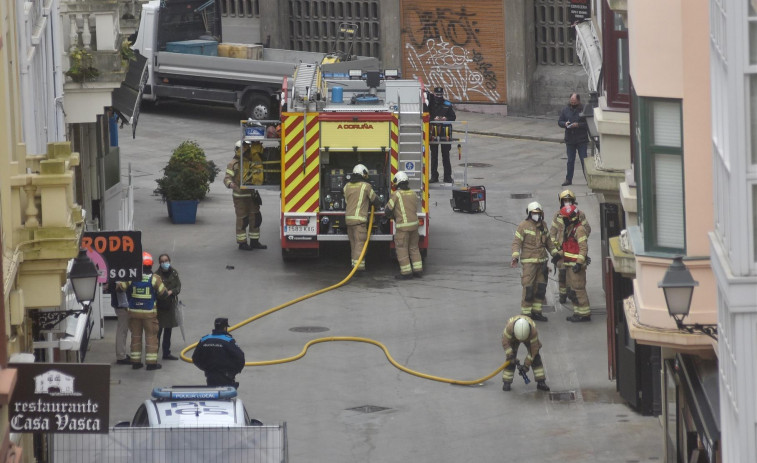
(92, 63)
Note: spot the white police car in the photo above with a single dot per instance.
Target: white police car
(192, 406)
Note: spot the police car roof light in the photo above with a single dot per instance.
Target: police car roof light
(167, 393)
(356, 73)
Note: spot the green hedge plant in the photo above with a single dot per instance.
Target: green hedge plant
(188, 174)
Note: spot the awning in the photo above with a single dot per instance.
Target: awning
(127, 98)
(699, 380)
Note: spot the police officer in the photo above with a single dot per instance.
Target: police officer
(247, 201)
(572, 242)
(403, 208)
(531, 247)
(441, 110)
(521, 329)
(359, 195)
(143, 314)
(218, 355)
(565, 198)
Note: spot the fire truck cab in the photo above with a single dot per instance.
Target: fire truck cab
(329, 123)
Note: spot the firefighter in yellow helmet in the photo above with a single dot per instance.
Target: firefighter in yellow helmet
(531, 247)
(403, 208)
(521, 329)
(247, 200)
(566, 198)
(572, 242)
(143, 314)
(359, 195)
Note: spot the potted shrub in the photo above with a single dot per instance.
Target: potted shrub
(186, 180)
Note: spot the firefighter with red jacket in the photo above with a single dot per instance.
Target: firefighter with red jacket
(359, 196)
(247, 201)
(521, 329)
(572, 242)
(531, 247)
(566, 198)
(143, 314)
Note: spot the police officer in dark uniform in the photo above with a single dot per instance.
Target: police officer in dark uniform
(441, 110)
(218, 355)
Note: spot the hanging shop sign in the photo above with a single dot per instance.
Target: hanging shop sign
(116, 254)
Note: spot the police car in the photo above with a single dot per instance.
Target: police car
(193, 406)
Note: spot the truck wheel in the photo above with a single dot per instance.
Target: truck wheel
(257, 108)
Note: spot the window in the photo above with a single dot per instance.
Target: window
(659, 167)
(615, 54)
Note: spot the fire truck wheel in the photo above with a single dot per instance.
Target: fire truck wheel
(257, 108)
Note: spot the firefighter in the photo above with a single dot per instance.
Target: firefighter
(441, 110)
(565, 198)
(531, 247)
(247, 201)
(143, 314)
(218, 356)
(359, 196)
(573, 249)
(521, 329)
(403, 207)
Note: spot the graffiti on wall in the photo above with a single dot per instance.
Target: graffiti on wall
(445, 51)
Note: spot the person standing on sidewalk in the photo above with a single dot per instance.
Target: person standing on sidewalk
(218, 356)
(168, 308)
(566, 198)
(531, 247)
(143, 314)
(120, 304)
(247, 201)
(521, 329)
(359, 196)
(403, 207)
(441, 111)
(574, 248)
(576, 135)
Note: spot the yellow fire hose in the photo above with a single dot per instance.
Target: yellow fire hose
(343, 338)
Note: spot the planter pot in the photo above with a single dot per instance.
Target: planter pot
(183, 211)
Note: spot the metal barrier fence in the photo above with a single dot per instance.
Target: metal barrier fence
(249, 444)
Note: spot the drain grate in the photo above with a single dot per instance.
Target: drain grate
(368, 409)
(308, 329)
(520, 195)
(563, 396)
(477, 164)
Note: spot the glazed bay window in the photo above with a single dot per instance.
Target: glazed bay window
(660, 163)
(615, 53)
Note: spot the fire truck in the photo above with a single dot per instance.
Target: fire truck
(329, 123)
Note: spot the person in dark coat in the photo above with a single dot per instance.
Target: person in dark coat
(576, 134)
(168, 308)
(440, 112)
(218, 355)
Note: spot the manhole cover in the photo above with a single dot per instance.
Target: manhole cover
(308, 329)
(477, 164)
(520, 195)
(565, 396)
(368, 409)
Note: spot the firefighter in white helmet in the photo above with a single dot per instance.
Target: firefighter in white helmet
(531, 247)
(247, 201)
(359, 195)
(565, 198)
(521, 329)
(403, 208)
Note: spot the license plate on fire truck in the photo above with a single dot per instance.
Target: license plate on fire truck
(299, 229)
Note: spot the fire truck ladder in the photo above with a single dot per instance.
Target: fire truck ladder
(411, 142)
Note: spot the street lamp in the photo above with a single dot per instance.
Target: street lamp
(678, 286)
(83, 277)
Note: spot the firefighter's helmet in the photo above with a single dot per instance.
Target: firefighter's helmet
(566, 194)
(146, 259)
(533, 207)
(360, 170)
(400, 177)
(522, 329)
(569, 212)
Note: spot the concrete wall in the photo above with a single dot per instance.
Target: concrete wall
(391, 49)
(274, 23)
(520, 55)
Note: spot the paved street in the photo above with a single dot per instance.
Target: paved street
(447, 324)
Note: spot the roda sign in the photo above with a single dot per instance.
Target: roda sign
(117, 255)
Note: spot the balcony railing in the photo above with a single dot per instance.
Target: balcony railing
(589, 52)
